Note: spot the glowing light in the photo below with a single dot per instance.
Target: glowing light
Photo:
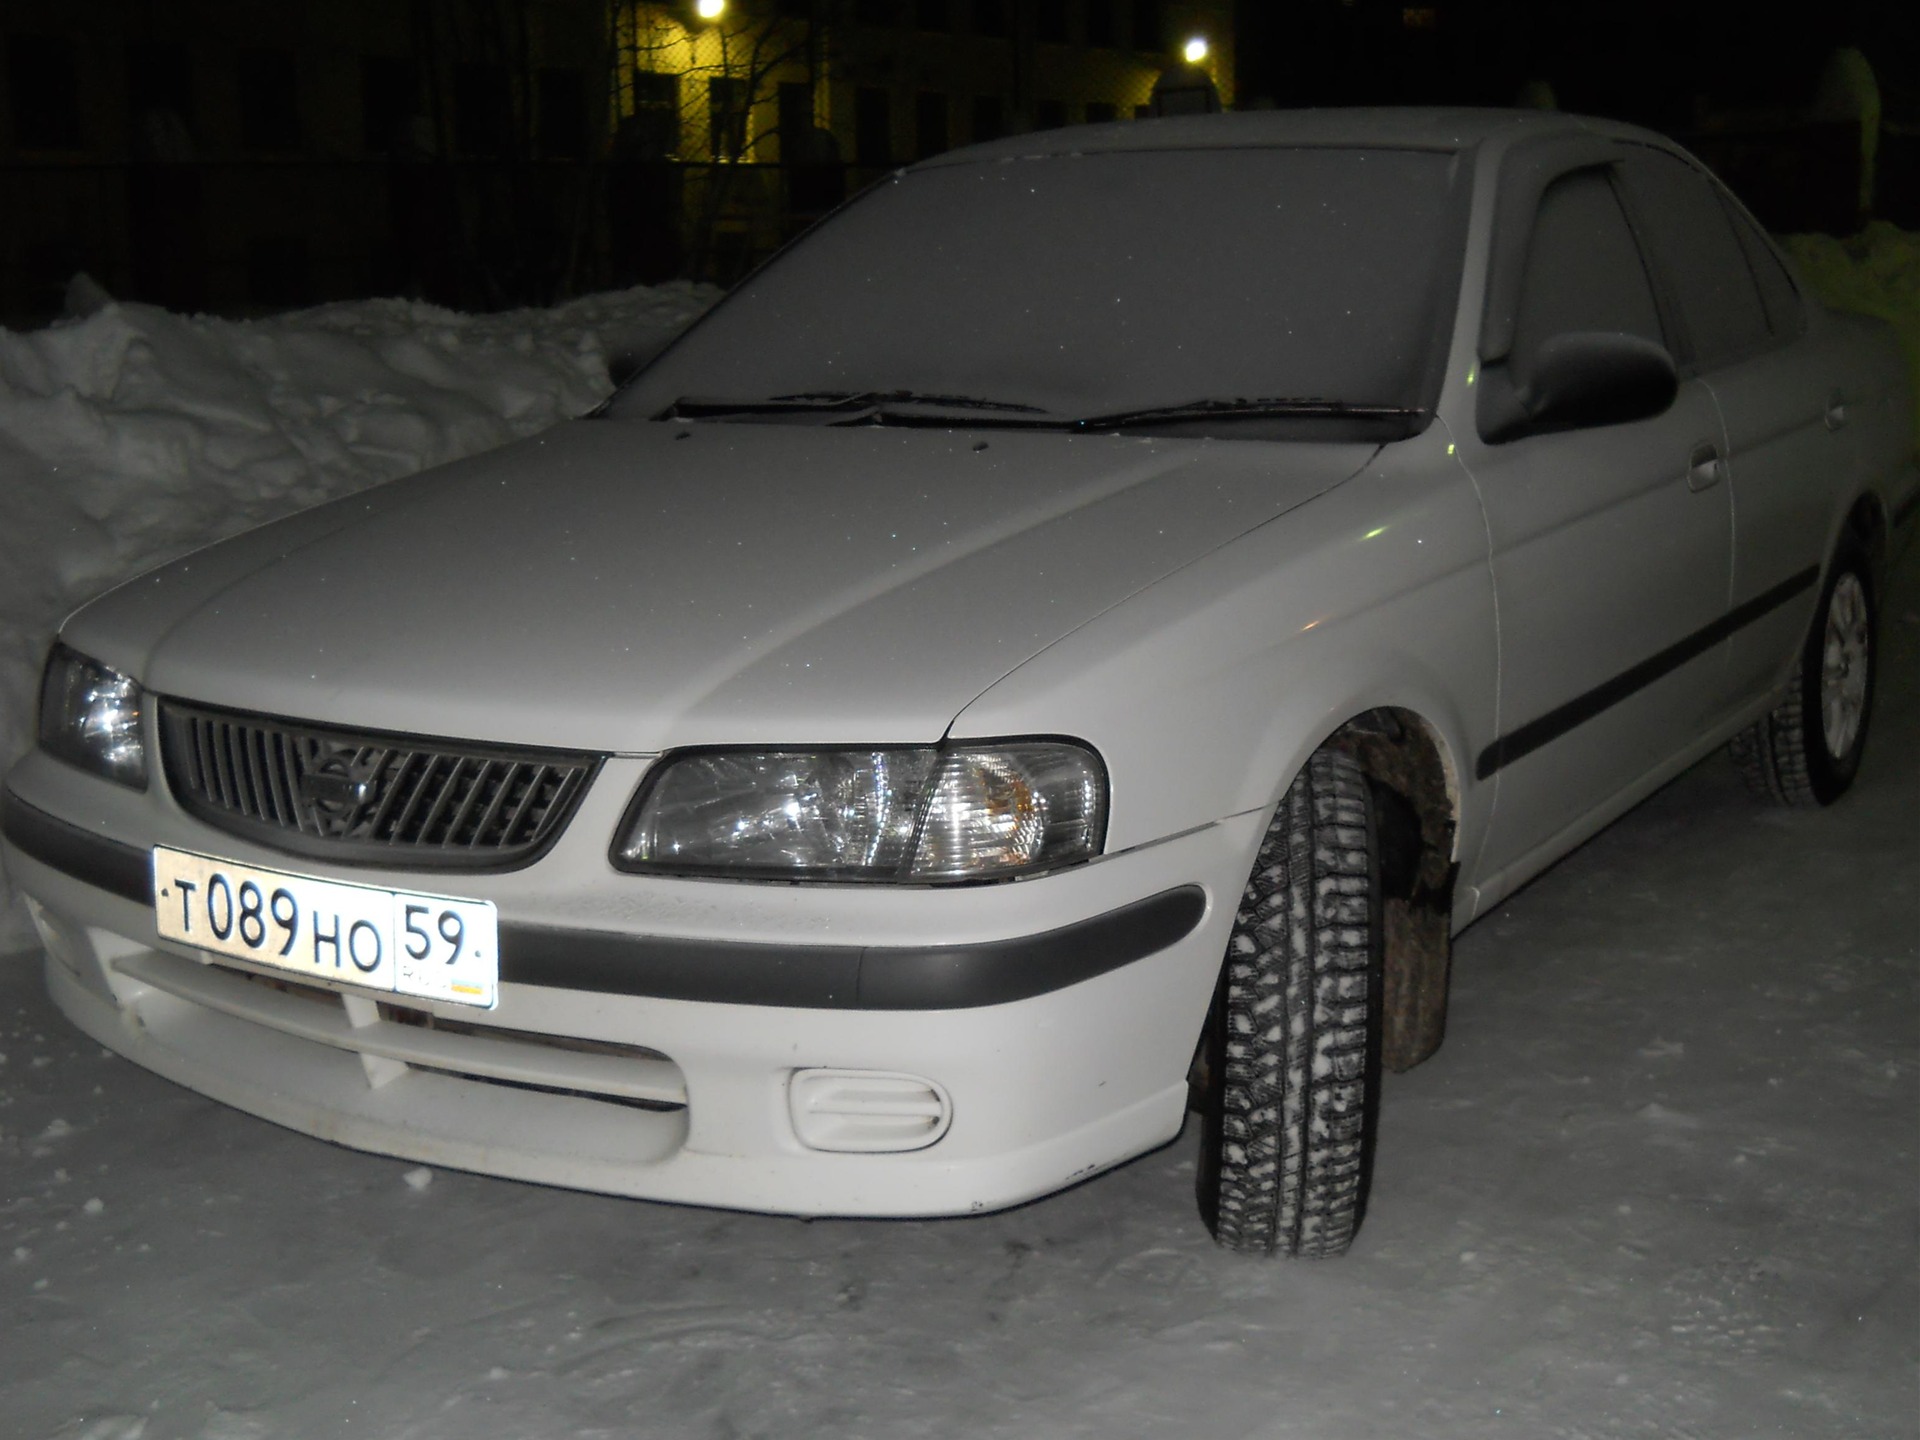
(1375, 533)
(710, 9)
(1196, 50)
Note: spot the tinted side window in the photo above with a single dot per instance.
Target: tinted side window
(1786, 316)
(1584, 270)
(1695, 243)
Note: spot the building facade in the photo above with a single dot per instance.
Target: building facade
(223, 155)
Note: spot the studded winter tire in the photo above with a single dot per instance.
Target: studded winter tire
(1806, 750)
(1291, 1057)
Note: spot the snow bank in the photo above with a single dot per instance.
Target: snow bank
(130, 434)
(1876, 272)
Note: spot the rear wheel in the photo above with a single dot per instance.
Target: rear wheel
(1807, 750)
(1291, 1057)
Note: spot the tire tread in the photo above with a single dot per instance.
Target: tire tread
(1301, 1002)
(1782, 756)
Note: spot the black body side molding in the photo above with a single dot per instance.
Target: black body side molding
(1582, 708)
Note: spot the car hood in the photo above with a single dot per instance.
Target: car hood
(632, 586)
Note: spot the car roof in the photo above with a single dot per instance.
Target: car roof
(1435, 128)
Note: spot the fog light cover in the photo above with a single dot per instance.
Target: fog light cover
(866, 1111)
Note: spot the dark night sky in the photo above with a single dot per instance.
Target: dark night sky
(1658, 62)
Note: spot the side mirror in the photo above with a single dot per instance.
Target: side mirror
(1585, 378)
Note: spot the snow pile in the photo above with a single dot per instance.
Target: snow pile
(129, 435)
(1876, 272)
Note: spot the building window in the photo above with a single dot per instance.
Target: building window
(482, 108)
(795, 120)
(269, 100)
(653, 132)
(989, 118)
(159, 82)
(44, 81)
(1099, 112)
(562, 116)
(990, 17)
(929, 124)
(1149, 27)
(1049, 114)
(1100, 27)
(872, 126)
(1050, 21)
(389, 98)
(726, 118)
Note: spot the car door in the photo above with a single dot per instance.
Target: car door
(1610, 547)
(1783, 411)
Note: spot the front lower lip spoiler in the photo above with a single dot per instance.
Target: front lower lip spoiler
(729, 972)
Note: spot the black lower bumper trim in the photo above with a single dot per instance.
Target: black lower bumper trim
(850, 977)
(118, 868)
(815, 977)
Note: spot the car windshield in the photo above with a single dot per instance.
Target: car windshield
(1201, 287)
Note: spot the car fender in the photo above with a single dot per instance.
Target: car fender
(1206, 692)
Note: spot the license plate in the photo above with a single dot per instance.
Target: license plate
(432, 946)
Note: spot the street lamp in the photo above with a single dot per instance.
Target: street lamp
(1195, 49)
(710, 9)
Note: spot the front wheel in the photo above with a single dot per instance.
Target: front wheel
(1807, 750)
(1292, 1049)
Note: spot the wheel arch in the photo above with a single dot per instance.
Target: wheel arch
(1866, 526)
(1414, 778)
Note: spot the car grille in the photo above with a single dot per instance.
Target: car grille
(367, 798)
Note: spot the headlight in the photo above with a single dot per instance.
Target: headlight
(925, 815)
(90, 717)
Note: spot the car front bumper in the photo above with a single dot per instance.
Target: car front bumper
(672, 1039)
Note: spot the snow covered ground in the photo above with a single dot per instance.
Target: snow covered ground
(1659, 1184)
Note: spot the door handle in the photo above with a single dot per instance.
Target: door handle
(1836, 410)
(1705, 467)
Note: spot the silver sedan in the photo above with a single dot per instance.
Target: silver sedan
(1064, 645)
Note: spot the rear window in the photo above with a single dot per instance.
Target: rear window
(1692, 235)
(1088, 284)
(1786, 317)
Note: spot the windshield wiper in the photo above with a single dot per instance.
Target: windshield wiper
(834, 402)
(908, 397)
(1265, 408)
(900, 407)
